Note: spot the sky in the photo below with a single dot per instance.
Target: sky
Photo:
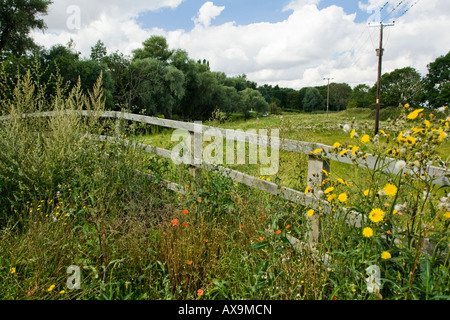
(290, 43)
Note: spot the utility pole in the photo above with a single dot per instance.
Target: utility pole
(380, 52)
(328, 94)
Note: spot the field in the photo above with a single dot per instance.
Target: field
(70, 201)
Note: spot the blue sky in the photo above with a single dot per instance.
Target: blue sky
(243, 12)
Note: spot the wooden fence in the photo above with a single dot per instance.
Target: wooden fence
(317, 164)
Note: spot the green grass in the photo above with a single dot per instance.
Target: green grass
(67, 199)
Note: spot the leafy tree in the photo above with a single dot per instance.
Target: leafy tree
(99, 51)
(158, 87)
(253, 100)
(293, 100)
(155, 47)
(313, 100)
(437, 81)
(239, 83)
(118, 66)
(360, 95)
(339, 96)
(18, 18)
(400, 86)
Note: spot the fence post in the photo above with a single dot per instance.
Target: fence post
(196, 138)
(315, 178)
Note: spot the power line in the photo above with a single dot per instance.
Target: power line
(402, 5)
(393, 10)
(404, 12)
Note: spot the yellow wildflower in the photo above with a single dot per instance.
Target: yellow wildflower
(330, 189)
(343, 152)
(390, 190)
(447, 215)
(367, 232)
(407, 105)
(50, 289)
(343, 197)
(310, 213)
(331, 197)
(366, 193)
(410, 141)
(354, 150)
(336, 145)
(376, 215)
(385, 255)
(442, 135)
(427, 123)
(365, 138)
(307, 190)
(12, 270)
(414, 114)
(352, 134)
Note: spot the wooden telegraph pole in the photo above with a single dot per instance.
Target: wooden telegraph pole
(380, 52)
(328, 94)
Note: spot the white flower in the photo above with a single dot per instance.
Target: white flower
(400, 208)
(346, 128)
(399, 165)
(444, 203)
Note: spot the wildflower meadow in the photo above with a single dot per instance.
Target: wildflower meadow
(72, 201)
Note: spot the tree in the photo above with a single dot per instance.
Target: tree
(293, 100)
(339, 96)
(118, 66)
(98, 52)
(400, 86)
(253, 100)
(437, 81)
(313, 100)
(18, 18)
(155, 47)
(360, 96)
(159, 88)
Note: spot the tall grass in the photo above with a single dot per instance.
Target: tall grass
(67, 198)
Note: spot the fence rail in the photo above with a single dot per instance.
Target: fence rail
(316, 165)
(439, 176)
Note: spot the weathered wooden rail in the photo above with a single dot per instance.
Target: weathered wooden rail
(317, 165)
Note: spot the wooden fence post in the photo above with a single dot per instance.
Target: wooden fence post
(316, 168)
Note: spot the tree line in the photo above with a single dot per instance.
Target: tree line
(400, 86)
(158, 81)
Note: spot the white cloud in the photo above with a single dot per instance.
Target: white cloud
(92, 10)
(207, 13)
(112, 21)
(300, 51)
